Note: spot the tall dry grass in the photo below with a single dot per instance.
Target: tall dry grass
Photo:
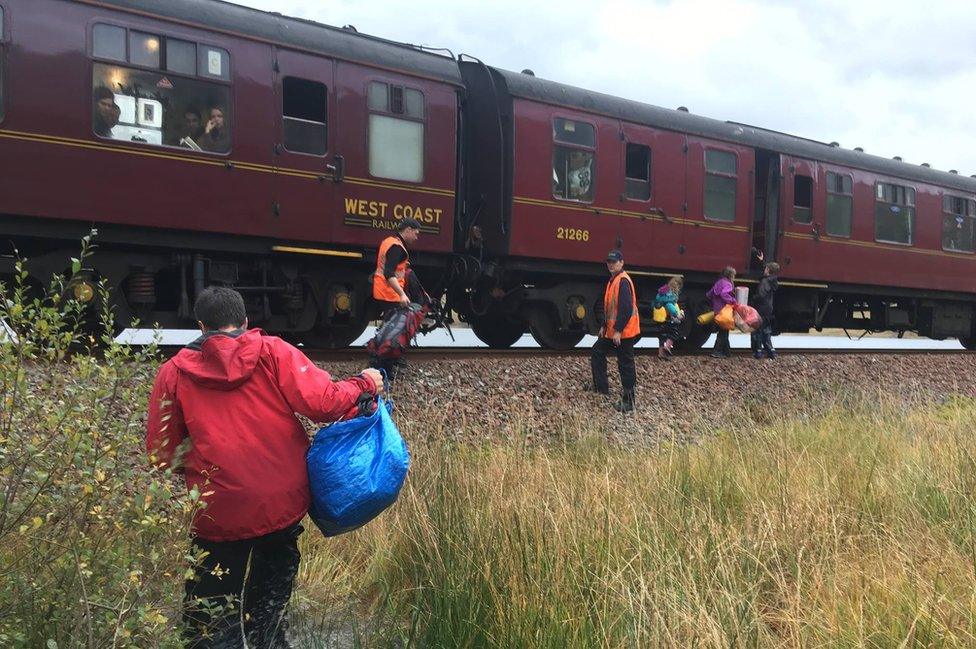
(850, 527)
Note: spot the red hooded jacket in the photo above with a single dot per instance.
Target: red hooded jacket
(231, 399)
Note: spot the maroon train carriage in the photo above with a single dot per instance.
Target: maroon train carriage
(326, 138)
(563, 175)
(211, 143)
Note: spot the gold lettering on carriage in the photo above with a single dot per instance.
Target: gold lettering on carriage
(382, 215)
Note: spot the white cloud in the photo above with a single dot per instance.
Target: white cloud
(894, 77)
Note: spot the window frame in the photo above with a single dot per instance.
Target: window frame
(735, 177)
(914, 206)
(164, 38)
(650, 167)
(388, 113)
(574, 147)
(970, 204)
(828, 192)
(308, 121)
(162, 71)
(795, 206)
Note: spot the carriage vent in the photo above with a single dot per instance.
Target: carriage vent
(396, 100)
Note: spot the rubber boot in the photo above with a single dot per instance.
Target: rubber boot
(668, 346)
(626, 403)
(590, 386)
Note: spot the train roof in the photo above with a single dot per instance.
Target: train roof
(298, 33)
(528, 86)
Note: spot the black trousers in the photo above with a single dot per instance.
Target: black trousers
(762, 339)
(241, 589)
(625, 362)
(722, 345)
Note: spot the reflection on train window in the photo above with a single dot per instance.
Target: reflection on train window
(802, 199)
(573, 167)
(396, 132)
(108, 42)
(720, 179)
(894, 213)
(144, 49)
(303, 111)
(840, 204)
(958, 224)
(572, 132)
(153, 108)
(638, 172)
(181, 56)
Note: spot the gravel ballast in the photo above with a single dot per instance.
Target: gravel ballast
(542, 399)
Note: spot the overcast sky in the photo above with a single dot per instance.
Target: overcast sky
(895, 77)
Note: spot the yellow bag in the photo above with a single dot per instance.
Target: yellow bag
(660, 314)
(706, 318)
(726, 318)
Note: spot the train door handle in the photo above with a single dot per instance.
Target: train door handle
(338, 170)
(815, 229)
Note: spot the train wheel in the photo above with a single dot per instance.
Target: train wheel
(969, 343)
(544, 330)
(695, 338)
(497, 332)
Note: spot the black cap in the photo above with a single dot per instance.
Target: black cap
(615, 255)
(407, 222)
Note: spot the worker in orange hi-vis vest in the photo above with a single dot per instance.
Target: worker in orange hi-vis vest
(393, 265)
(620, 331)
(394, 284)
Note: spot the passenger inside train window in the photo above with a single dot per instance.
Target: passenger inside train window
(215, 136)
(572, 174)
(105, 112)
(160, 109)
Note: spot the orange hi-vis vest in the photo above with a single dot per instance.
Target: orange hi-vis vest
(381, 288)
(610, 299)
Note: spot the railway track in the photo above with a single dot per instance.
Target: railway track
(422, 354)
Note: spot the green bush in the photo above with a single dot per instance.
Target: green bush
(93, 544)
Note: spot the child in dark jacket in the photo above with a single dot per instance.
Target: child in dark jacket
(762, 339)
(667, 299)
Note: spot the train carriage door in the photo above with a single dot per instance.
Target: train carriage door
(305, 166)
(653, 189)
(765, 225)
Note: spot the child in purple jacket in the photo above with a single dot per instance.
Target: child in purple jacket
(722, 293)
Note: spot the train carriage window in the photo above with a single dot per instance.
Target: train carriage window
(152, 107)
(181, 56)
(638, 172)
(958, 224)
(802, 199)
(840, 204)
(573, 167)
(144, 49)
(720, 181)
(108, 42)
(894, 214)
(396, 132)
(304, 115)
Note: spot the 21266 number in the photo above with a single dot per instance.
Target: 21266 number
(572, 234)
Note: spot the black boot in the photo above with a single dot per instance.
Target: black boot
(626, 403)
(589, 386)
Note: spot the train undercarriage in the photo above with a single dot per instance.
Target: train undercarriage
(325, 302)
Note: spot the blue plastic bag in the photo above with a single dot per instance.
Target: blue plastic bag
(356, 468)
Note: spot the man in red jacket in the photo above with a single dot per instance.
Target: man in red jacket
(222, 412)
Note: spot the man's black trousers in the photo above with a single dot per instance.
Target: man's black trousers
(625, 361)
(251, 582)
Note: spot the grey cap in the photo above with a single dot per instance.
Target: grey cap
(408, 222)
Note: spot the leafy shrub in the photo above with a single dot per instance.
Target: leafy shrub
(93, 544)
